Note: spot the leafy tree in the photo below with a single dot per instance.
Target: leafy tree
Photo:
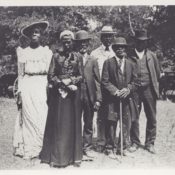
(163, 27)
(159, 20)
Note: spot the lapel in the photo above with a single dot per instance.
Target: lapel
(61, 58)
(125, 74)
(126, 68)
(114, 66)
(134, 55)
(87, 60)
(148, 59)
(80, 64)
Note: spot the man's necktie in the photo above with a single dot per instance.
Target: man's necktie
(120, 65)
(107, 48)
(120, 74)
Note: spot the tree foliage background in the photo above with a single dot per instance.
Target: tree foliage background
(158, 20)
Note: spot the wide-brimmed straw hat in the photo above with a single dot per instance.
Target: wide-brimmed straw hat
(119, 41)
(26, 31)
(141, 35)
(107, 30)
(82, 35)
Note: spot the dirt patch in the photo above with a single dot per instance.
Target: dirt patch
(165, 143)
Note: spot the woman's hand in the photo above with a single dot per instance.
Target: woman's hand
(63, 93)
(66, 81)
(72, 87)
(97, 105)
(19, 100)
(20, 117)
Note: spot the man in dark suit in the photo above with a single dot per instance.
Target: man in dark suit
(148, 90)
(91, 91)
(118, 77)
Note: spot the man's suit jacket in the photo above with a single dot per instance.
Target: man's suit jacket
(153, 68)
(110, 79)
(111, 83)
(92, 79)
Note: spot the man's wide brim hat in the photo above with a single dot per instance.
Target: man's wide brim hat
(107, 30)
(82, 35)
(43, 25)
(141, 35)
(120, 41)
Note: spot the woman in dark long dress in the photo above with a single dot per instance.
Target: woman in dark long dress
(62, 143)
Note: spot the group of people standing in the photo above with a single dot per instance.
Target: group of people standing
(56, 90)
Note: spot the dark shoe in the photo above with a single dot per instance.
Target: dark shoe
(53, 165)
(134, 147)
(100, 148)
(77, 164)
(125, 152)
(151, 149)
(86, 158)
(112, 154)
(109, 147)
(90, 153)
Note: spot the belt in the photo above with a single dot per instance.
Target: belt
(33, 74)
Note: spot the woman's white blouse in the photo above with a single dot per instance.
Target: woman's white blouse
(36, 61)
(33, 61)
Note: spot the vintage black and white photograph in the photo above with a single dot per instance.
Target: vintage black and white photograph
(87, 87)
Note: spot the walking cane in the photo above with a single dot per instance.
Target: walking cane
(121, 130)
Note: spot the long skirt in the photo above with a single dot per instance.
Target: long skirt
(28, 136)
(62, 143)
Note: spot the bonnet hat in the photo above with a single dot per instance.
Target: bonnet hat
(66, 33)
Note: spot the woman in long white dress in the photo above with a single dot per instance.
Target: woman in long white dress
(33, 64)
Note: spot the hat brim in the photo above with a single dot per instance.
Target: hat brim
(107, 32)
(119, 44)
(89, 38)
(27, 30)
(142, 38)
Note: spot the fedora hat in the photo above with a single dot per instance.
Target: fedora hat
(27, 30)
(107, 30)
(141, 35)
(120, 41)
(82, 35)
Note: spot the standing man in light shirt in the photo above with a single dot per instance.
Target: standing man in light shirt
(148, 90)
(102, 53)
